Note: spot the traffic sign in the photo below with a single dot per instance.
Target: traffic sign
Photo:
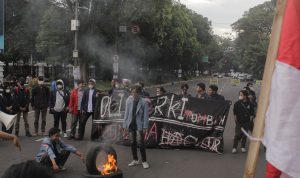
(235, 82)
(135, 29)
(214, 81)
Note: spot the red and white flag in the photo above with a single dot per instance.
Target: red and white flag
(282, 124)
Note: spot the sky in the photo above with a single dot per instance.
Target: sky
(222, 13)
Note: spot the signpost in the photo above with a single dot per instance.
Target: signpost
(116, 66)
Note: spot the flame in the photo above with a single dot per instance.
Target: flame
(110, 166)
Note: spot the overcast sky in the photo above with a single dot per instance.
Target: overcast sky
(222, 13)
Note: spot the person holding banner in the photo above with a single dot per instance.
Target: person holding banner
(136, 120)
(201, 94)
(243, 111)
(213, 93)
(184, 90)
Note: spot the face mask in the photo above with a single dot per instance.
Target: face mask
(59, 87)
(40, 82)
(241, 98)
(91, 86)
(7, 90)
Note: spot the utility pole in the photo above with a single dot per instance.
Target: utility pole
(75, 27)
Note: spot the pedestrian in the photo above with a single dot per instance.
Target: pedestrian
(184, 90)
(75, 107)
(54, 152)
(113, 87)
(160, 91)
(21, 105)
(243, 114)
(6, 104)
(136, 120)
(88, 104)
(59, 106)
(213, 93)
(12, 137)
(143, 93)
(201, 93)
(28, 169)
(39, 102)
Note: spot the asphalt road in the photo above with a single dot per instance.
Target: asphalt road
(165, 163)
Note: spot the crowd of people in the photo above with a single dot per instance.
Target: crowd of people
(81, 103)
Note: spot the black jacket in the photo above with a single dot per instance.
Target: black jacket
(21, 98)
(243, 111)
(216, 96)
(52, 99)
(40, 97)
(6, 101)
(85, 100)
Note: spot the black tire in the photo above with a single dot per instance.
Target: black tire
(92, 156)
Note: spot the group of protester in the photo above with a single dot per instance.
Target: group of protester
(81, 104)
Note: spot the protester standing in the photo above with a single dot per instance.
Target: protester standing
(21, 105)
(184, 90)
(160, 91)
(39, 102)
(213, 93)
(75, 107)
(88, 107)
(6, 104)
(59, 106)
(243, 114)
(201, 94)
(143, 93)
(136, 120)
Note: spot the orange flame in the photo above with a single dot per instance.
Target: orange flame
(110, 166)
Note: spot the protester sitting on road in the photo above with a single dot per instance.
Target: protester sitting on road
(6, 106)
(12, 137)
(243, 114)
(28, 169)
(75, 107)
(184, 90)
(59, 103)
(213, 93)
(54, 152)
(21, 105)
(39, 102)
(160, 91)
(201, 94)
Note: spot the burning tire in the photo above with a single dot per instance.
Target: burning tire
(102, 152)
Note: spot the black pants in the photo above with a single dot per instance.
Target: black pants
(60, 159)
(239, 135)
(82, 124)
(62, 116)
(133, 138)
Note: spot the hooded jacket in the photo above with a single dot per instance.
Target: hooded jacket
(65, 94)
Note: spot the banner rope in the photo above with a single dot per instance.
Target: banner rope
(250, 137)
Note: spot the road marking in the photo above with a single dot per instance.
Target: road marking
(41, 139)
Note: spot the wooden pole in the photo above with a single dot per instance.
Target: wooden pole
(265, 89)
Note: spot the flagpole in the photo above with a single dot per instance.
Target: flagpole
(265, 89)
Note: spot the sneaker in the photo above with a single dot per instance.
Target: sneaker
(234, 150)
(35, 134)
(71, 137)
(28, 134)
(62, 168)
(145, 165)
(133, 163)
(65, 135)
(243, 150)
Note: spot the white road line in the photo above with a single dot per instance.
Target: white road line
(41, 139)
